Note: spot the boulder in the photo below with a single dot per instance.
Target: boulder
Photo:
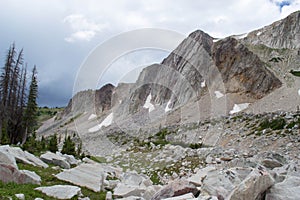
(175, 188)
(197, 178)
(70, 159)
(254, 186)
(20, 196)
(9, 173)
(122, 190)
(52, 158)
(7, 159)
(91, 176)
(272, 160)
(289, 189)
(108, 196)
(182, 197)
(60, 191)
(22, 156)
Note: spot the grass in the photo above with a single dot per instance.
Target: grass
(10, 189)
(45, 113)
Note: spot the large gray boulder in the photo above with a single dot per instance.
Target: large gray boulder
(91, 176)
(22, 156)
(7, 158)
(10, 173)
(52, 158)
(253, 187)
(289, 189)
(60, 191)
(175, 188)
(132, 184)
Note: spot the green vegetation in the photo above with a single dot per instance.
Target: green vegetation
(53, 144)
(17, 112)
(45, 113)
(69, 147)
(10, 189)
(274, 124)
(34, 146)
(295, 73)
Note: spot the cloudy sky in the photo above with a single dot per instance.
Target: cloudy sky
(58, 36)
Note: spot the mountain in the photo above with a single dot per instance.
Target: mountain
(203, 78)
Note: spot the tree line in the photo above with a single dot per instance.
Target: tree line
(18, 106)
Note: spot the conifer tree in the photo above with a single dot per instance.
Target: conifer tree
(30, 117)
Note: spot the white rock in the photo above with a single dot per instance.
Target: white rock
(60, 191)
(38, 199)
(55, 159)
(22, 156)
(92, 116)
(31, 177)
(88, 175)
(197, 178)
(289, 189)
(20, 196)
(108, 196)
(7, 158)
(182, 197)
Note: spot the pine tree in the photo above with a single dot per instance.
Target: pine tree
(53, 144)
(68, 147)
(30, 117)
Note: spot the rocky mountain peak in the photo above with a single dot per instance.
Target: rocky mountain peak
(281, 34)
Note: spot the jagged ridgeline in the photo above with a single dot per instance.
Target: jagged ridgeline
(203, 78)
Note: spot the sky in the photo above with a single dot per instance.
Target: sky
(59, 37)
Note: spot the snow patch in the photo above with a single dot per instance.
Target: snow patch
(203, 84)
(216, 39)
(167, 109)
(106, 122)
(219, 94)
(299, 92)
(258, 34)
(241, 36)
(148, 103)
(92, 116)
(239, 107)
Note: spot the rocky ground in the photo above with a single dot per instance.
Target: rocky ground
(243, 156)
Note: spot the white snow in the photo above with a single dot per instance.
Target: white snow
(299, 92)
(106, 122)
(216, 39)
(239, 107)
(241, 36)
(203, 84)
(219, 94)
(148, 103)
(258, 34)
(167, 109)
(92, 116)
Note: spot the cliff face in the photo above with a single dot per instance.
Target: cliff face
(242, 71)
(95, 101)
(281, 34)
(193, 67)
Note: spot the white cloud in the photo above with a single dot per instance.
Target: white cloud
(83, 29)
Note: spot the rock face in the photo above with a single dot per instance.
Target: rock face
(94, 101)
(289, 189)
(281, 34)
(60, 191)
(241, 70)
